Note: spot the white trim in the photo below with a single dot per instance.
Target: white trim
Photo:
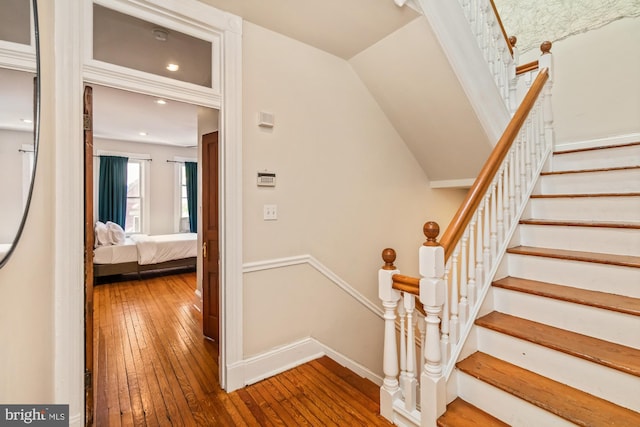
(453, 183)
(599, 142)
(198, 304)
(68, 253)
(251, 267)
(283, 358)
(448, 23)
(66, 107)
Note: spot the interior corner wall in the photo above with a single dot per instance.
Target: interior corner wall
(162, 180)
(596, 92)
(346, 188)
(27, 280)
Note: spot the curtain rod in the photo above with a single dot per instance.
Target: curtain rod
(180, 161)
(25, 151)
(134, 158)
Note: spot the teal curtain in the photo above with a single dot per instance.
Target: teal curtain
(112, 190)
(191, 171)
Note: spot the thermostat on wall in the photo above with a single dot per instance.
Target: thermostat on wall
(266, 179)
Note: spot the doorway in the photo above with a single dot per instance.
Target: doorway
(163, 157)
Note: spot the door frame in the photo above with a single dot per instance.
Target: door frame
(65, 73)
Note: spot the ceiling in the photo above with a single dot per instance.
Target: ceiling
(341, 27)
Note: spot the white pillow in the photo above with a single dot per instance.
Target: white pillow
(102, 234)
(116, 233)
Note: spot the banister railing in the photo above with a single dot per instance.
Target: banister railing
(456, 272)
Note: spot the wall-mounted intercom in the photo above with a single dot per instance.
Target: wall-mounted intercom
(266, 179)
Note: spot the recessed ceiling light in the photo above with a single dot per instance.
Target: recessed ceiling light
(142, 134)
(27, 120)
(173, 67)
(161, 101)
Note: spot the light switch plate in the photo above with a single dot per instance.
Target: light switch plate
(270, 212)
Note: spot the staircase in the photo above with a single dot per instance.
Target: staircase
(557, 341)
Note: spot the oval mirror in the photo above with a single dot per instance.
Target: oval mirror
(19, 117)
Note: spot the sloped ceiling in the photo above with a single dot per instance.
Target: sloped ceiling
(410, 77)
(340, 27)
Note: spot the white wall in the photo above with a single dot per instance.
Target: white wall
(347, 187)
(596, 92)
(162, 178)
(11, 181)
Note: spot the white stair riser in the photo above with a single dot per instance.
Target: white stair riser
(504, 406)
(586, 208)
(618, 241)
(612, 326)
(612, 279)
(619, 181)
(601, 381)
(613, 157)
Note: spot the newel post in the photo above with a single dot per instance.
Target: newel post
(433, 397)
(546, 61)
(390, 389)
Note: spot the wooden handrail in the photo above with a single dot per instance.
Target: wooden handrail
(406, 284)
(525, 68)
(504, 33)
(483, 181)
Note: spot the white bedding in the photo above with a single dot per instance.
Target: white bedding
(116, 254)
(167, 247)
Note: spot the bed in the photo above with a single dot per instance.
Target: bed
(142, 252)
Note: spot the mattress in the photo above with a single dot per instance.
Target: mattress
(166, 247)
(116, 254)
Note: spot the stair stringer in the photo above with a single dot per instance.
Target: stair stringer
(499, 270)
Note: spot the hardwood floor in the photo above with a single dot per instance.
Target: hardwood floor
(154, 368)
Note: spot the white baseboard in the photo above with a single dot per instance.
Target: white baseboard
(598, 142)
(198, 304)
(280, 359)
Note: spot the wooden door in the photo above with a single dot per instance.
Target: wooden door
(88, 254)
(210, 251)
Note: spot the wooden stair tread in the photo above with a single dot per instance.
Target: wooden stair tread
(462, 414)
(566, 402)
(595, 257)
(602, 147)
(569, 223)
(611, 169)
(615, 356)
(619, 303)
(580, 195)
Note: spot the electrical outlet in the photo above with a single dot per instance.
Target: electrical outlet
(270, 212)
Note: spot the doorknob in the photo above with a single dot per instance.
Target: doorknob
(204, 250)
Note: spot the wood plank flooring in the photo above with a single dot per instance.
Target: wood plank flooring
(154, 368)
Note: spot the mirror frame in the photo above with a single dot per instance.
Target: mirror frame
(36, 134)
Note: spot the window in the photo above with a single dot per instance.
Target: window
(135, 190)
(184, 206)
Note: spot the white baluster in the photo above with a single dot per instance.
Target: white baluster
(464, 301)
(506, 216)
(494, 227)
(486, 250)
(454, 299)
(422, 328)
(472, 292)
(411, 381)
(390, 389)
(402, 380)
(499, 213)
(479, 246)
(445, 327)
(513, 173)
(523, 171)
